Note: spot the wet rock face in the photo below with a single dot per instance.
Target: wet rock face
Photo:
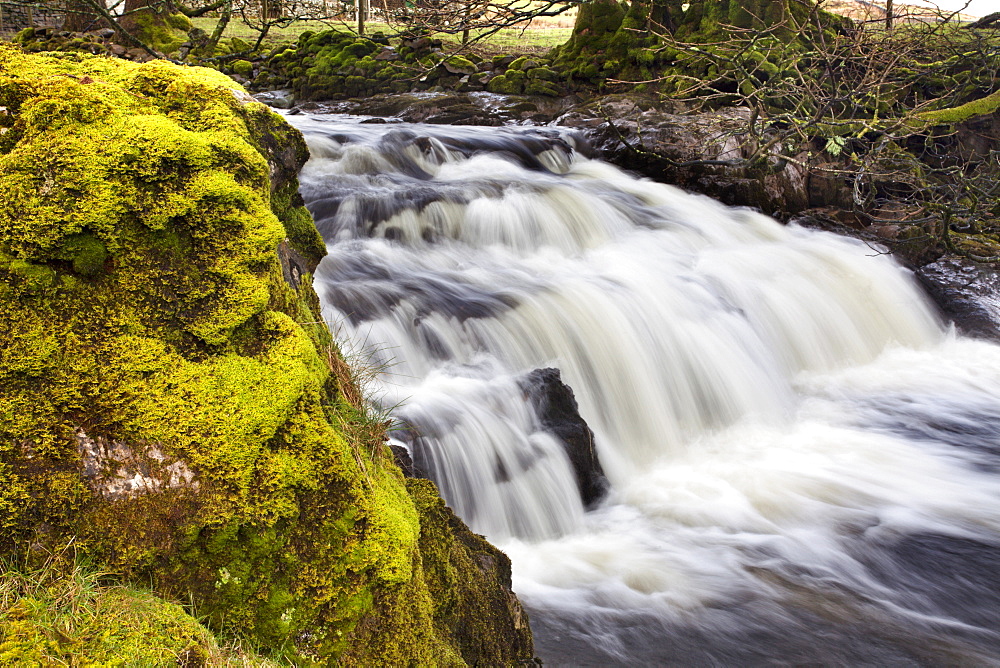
(696, 151)
(557, 408)
(967, 293)
(467, 108)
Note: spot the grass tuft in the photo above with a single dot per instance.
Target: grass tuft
(66, 612)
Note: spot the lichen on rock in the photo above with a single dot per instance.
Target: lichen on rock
(154, 333)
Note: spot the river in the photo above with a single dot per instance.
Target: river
(803, 460)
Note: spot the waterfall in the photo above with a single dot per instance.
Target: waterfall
(802, 459)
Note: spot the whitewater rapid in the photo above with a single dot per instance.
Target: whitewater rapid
(803, 460)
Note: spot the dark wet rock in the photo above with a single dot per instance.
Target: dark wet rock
(967, 293)
(699, 151)
(404, 461)
(558, 411)
(962, 570)
(465, 108)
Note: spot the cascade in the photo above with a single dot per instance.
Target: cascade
(803, 462)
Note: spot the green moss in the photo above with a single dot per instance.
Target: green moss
(242, 67)
(540, 87)
(504, 85)
(86, 252)
(460, 64)
(159, 31)
(331, 64)
(544, 73)
(237, 45)
(517, 63)
(980, 107)
(155, 265)
(179, 21)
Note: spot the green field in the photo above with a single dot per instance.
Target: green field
(541, 36)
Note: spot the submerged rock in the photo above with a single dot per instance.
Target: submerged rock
(169, 399)
(558, 411)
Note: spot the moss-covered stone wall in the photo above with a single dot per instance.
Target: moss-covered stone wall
(331, 65)
(169, 398)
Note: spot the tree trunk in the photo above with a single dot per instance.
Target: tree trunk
(362, 15)
(705, 20)
(80, 17)
(270, 9)
(141, 17)
(220, 28)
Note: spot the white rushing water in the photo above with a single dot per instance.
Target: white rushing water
(803, 461)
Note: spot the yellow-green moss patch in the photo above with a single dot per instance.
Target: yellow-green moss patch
(167, 398)
(980, 107)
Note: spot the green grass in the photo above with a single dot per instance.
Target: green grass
(67, 613)
(536, 39)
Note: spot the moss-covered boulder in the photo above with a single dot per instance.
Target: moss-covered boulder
(171, 402)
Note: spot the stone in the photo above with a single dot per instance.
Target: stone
(278, 99)
(669, 143)
(967, 293)
(460, 65)
(198, 430)
(559, 414)
(388, 54)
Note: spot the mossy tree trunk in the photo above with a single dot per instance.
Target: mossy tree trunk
(698, 20)
(711, 19)
(144, 18)
(613, 40)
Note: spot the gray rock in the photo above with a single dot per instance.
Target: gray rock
(278, 99)
(967, 293)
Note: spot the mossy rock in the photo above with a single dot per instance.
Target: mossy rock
(361, 48)
(517, 63)
(242, 67)
(541, 87)
(543, 73)
(237, 45)
(504, 85)
(169, 401)
(459, 65)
